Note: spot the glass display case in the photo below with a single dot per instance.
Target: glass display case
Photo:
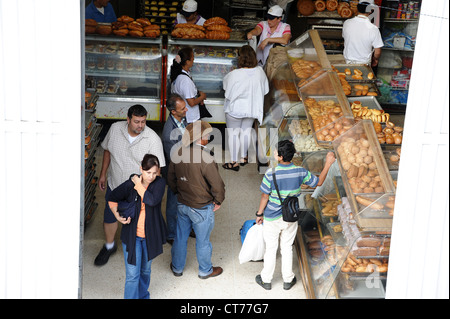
(307, 57)
(124, 71)
(367, 181)
(284, 118)
(213, 59)
(327, 108)
(338, 259)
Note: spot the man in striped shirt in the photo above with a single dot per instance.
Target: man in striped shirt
(289, 180)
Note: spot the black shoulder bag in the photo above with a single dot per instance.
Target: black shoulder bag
(289, 206)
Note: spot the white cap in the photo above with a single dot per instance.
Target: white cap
(190, 6)
(367, 1)
(275, 11)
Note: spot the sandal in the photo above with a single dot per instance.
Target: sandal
(231, 166)
(244, 162)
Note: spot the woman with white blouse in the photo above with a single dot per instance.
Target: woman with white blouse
(245, 88)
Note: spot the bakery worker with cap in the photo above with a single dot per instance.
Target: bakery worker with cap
(100, 11)
(189, 14)
(271, 32)
(361, 37)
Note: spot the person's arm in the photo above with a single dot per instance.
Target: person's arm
(262, 205)
(196, 100)
(255, 32)
(282, 40)
(329, 160)
(217, 190)
(376, 56)
(105, 164)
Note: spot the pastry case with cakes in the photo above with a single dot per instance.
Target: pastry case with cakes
(124, 71)
(213, 60)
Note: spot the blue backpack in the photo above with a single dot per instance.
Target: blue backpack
(244, 229)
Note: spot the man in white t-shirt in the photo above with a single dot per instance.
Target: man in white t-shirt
(362, 38)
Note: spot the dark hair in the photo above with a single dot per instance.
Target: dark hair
(271, 17)
(171, 103)
(187, 14)
(176, 68)
(149, 161)
(286, 149)
(136, 110)
(247, 57)
(362, 7)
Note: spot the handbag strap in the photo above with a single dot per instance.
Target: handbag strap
(276, 186)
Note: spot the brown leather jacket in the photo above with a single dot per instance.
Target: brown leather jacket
(195, 178)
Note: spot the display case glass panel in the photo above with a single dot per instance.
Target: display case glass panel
(327, 108)
(213, 60)
(124, 67)
(366, 177)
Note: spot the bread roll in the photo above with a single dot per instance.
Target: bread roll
(219, 27)
(332, 5)
(90, 22)
(104, 29)
(152, 33)
(143, 21)
(320, 5)
(125, 19)
(89, 29)
(151, 27)
(217, 35)
(135, 26)
(306, 7)
(121, 32)
(215, 20)
(136, 33)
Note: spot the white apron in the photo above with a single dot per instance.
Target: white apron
(261, 55)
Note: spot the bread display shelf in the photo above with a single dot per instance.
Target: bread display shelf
(327, 108)
(352, 71)
(366, 177)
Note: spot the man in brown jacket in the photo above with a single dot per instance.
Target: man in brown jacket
(194, 177)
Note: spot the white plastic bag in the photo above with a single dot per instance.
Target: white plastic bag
(254, 246)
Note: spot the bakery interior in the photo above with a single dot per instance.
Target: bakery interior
(344, 234)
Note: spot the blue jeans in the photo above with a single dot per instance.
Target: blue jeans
(171, 214)
(202, 221)
(137, 276)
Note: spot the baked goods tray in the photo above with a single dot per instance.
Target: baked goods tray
(338, 238)
(349, 71)
(370, 101)
(372, 87)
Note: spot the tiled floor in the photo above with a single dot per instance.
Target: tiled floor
(237, 280)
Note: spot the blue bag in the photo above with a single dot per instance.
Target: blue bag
(127, 209)
(244, 229)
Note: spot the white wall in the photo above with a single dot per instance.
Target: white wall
(40, 148)
(419, 257)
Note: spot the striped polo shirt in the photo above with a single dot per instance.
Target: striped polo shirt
(289, 180)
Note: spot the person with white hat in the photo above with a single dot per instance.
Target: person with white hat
(271, 32)
(189, 14)
(362, 39)
(284, 4)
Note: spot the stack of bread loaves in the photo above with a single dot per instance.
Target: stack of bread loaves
(215, 28)
(124, 25)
